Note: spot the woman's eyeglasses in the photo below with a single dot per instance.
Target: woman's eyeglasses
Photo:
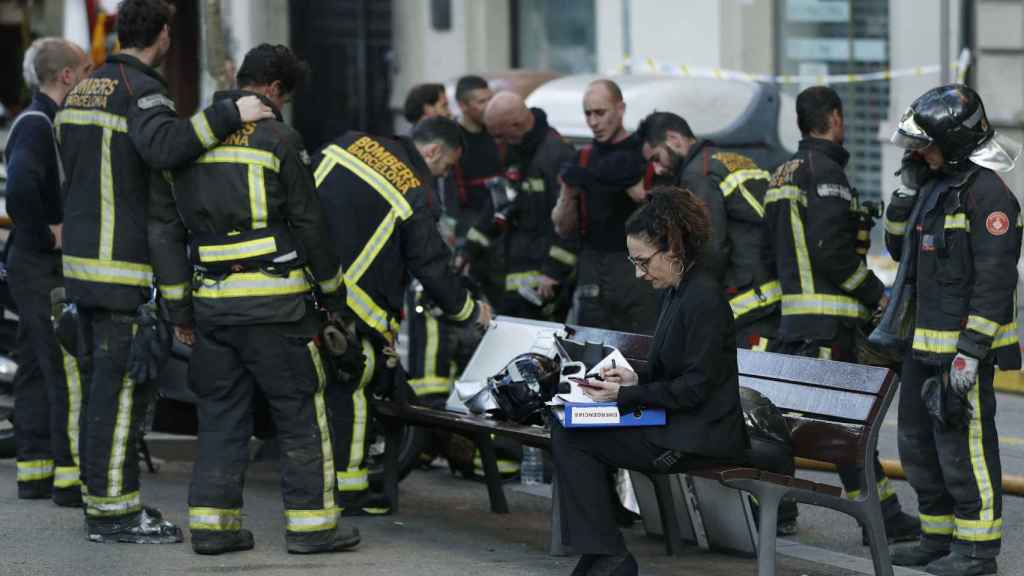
(643, 264)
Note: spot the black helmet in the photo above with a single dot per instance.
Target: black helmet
(952, 117)
(523, 386)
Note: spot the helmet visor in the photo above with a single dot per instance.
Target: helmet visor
(909, 135)
(999, 153)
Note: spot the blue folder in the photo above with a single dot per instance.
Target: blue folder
(607, 415)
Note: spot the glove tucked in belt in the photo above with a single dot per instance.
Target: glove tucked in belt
(151, 345)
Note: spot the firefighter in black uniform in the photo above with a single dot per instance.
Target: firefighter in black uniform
(538, 263)
(46, 385)
(732, 187)
(248, 215)
(374, 192)
(956, 229)
(601, 189)
(117, 129)
(812, 217)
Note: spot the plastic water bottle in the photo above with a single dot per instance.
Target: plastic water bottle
(531, 469)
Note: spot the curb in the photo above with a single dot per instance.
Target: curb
(1013, 484)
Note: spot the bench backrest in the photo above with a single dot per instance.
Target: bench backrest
(833, 408)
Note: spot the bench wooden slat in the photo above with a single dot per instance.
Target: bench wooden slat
(820, 373)
(792, 397)
(827, 441)
(531, 435)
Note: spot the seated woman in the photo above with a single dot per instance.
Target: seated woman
(691, 374)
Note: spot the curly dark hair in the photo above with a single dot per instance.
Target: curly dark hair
(421, 95)
(674, 220)
(266, 63)
(140, 22)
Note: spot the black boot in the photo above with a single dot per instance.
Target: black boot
(614, 566)
(68, 497)
(209, 542)
(900, 528)
(957, 564)
(916, 555)
(583, 566)
(35, 489)
(146, 527)
(337, 541)
(364, 504)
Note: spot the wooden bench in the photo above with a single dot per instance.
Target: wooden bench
(834, 411)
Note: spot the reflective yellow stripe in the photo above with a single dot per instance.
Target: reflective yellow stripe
(66, 477)
(978, 530)
(254, 284)
(173, 292)
(371, 177)
(822, 305)
(372, 248)
(32, 470)
(885, 490)
(982, 325)
(122, 428)
(856, 279)
(332, 284)
(203, 131)
(311, 520)
(738, 179)
(979, 467)
(112, 505)
(562, 255)
(326, 450)
(368, 311)
(938, 525)
(746, 302)
(936, 341)
(107, 271)
(73, 381)
(528, 279)
(257, 197)
(504, 466)
(863, 235)
(432, 344)
(788, 192)
(474, 235)
(1007, 334)
(241, 155)
(220, 519)
(761, 346)
(107, 201)
(237, 250)
(895, 228)
(326, 165)
(466, 311)
(98, 118)
(430, 385)
(803, 257)
(957, 222)
(354, 478)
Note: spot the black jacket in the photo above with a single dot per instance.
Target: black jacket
(692, 372)
(813, 219)
(733, 188)
(118, 130)
(375, 192)
(33, 185)
(248, 214)
(965, 244)
(606, 171)
(467, 197)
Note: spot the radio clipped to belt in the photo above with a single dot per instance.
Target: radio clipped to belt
(269, 250)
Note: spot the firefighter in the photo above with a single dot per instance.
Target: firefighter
(732, 186)
(538, 264)
(46, 385)
(374, 192)
(118, 128)
(248, 216)
(600, 190)
(812, 217)
(956, 228)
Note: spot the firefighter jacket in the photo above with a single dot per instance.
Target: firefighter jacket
(606, 171)
(733, 188)
(375, 194)
(813, 217)
(467, 196)
(239, 235)
(963, 244)
(117, 130)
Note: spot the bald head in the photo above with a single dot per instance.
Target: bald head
(604, 109)
(507, 117)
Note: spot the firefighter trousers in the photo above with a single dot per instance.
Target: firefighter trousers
(956, 473)
(350, 420)
(228, 363)
(47, 388)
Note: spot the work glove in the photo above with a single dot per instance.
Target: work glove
(949, 409)
(914, 171)
(151, 345)
(338, 338)
(962, 373)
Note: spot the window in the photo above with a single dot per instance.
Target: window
(555, 35)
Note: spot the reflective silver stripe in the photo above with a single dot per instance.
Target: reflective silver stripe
(203, 131)
(936, 341)
(529, 279)
(241, 155)
(475, 235)
(856, 279)
(257, 197)
(1006, 335)
(253, 284)
(957, 222)
(107, 201)
(311, 520)
(368, 311)
(737, 180)
(73, 379)
(788, 192)
(895, 228)
(214, 519)
(98, 118)
(31, 470)
(467, 309)
(562, 255)
(334, 283)
(371, 177)
(122, 427)
(770, 293)
(112, 505)
(326, 450)
(372, 248)
(353, 480)
(822, 305)
(982, 325)
(803, 257)
(109, 272)
(985, 525)
(237, 250)
(940, 525)
(173, 292)
(978, 530)
(66, 477)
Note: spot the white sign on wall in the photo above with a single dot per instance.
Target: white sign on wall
(818, 11)
(836, 49)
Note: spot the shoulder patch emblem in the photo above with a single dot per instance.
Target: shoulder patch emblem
(154, 100)
(734, 162)
(835, 191)
(997, 223)
(784, 174)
